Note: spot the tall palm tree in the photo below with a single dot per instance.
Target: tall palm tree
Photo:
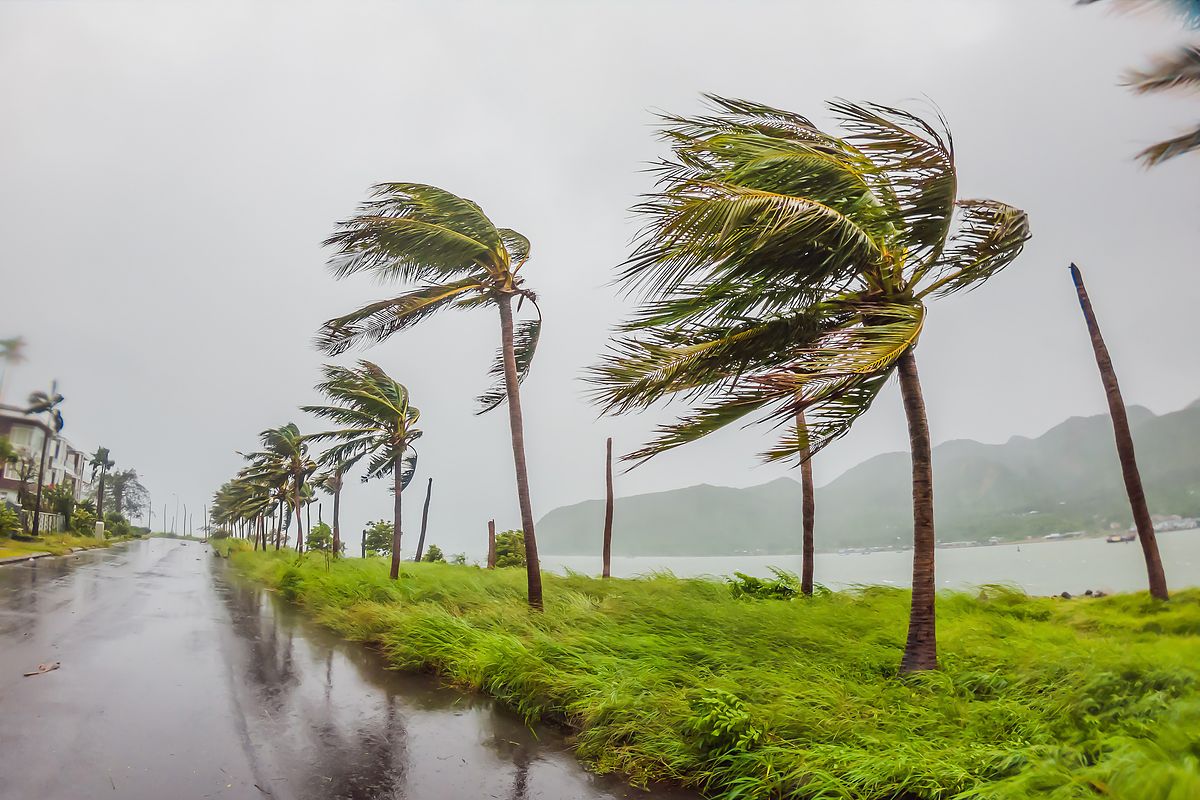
(785, 270)
(1177, 70)
(419, 234)
(331, 480)
(377, 422)
(44, 403)
(424, 521)
(284, 463)
(12, 352)
(101, 463)
(1125, 452)
(808, 508)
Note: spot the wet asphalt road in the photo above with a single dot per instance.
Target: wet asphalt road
(180, 681)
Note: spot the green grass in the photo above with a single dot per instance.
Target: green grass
(56, 543)
(676, 680)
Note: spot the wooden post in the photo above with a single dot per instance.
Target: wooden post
(608, 510)
(424, 520)
(491, 564)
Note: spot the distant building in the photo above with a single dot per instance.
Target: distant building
(64, 464)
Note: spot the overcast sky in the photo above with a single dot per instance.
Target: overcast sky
(168, 171)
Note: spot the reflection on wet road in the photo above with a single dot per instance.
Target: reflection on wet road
(180, 681)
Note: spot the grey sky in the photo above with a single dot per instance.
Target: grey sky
(169, 169)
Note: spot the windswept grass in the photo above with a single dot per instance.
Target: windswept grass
(677, 680)
(56, 543)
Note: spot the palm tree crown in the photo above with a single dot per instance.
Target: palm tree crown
(377, 423)
(785, 269)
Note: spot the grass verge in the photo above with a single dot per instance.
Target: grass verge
(667, 679)
(55, 543)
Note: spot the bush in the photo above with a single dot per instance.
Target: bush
(434, 553)
(116, 525)
(320, 538)
(785, 586)
(459, 558)
(510, 549)
(379, 538)
(10, 521)
(83, 522)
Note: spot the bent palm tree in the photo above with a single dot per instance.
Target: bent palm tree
(284, 464)
(377, 422)
(415, 233)
(1125, 452)
(786, 270)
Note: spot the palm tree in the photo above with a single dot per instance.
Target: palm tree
(331, 480)
(377, 422)
(786, 270)
(1125, 452)
(1177, 70)
(12, 352)
(284, 464)
(44, 403)
(421, 234)
(101, 463)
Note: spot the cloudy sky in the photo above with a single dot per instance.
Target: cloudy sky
(169, 169)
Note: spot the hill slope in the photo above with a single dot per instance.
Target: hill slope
(1066, 479)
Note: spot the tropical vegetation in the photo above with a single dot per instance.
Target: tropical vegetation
(784, 273)
(451, 256)
(665, 679)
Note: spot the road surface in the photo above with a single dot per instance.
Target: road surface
(180, 681)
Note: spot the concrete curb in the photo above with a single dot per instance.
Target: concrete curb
(26, 557)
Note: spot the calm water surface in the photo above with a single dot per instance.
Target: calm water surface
(1040, 568)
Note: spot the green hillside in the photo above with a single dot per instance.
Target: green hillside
(1065, 480)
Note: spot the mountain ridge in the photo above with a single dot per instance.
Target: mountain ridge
(1066, 479)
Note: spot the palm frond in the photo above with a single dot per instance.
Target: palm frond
(1179, 70)
(1164, 151)
(915, 164)
(377, 321)
(990, 235)
(414, 232)
(525, 339)
(516, 245)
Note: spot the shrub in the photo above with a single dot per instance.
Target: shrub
(785, 586)
(434, 553)
(320, 538)
(459, 558)
(510, 549)
(379, 538)
(83, 522)
(10, 521)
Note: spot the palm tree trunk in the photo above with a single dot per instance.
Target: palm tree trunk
(424, 519)
(491, 564)
(808, 509)
(920, 651)
(337, 504)
(608, 511)
(299, 520)
(279, 527)
(1129, 469)
(100, 496)
(516, 423)
(398, 488)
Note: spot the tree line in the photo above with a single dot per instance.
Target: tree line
(783, 275)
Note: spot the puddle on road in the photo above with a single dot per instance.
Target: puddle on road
(324, 718)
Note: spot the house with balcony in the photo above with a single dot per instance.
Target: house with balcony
(64, 464)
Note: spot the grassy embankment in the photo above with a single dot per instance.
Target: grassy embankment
(55, 543)
(676, 680)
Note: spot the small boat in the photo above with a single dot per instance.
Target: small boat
(1120, 537)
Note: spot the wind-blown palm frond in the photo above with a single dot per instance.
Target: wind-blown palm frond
(1180, 69)
(414, 232)
(989, 237)
(377, 321)
(525, 340)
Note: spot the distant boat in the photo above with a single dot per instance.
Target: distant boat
(1120, 537)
